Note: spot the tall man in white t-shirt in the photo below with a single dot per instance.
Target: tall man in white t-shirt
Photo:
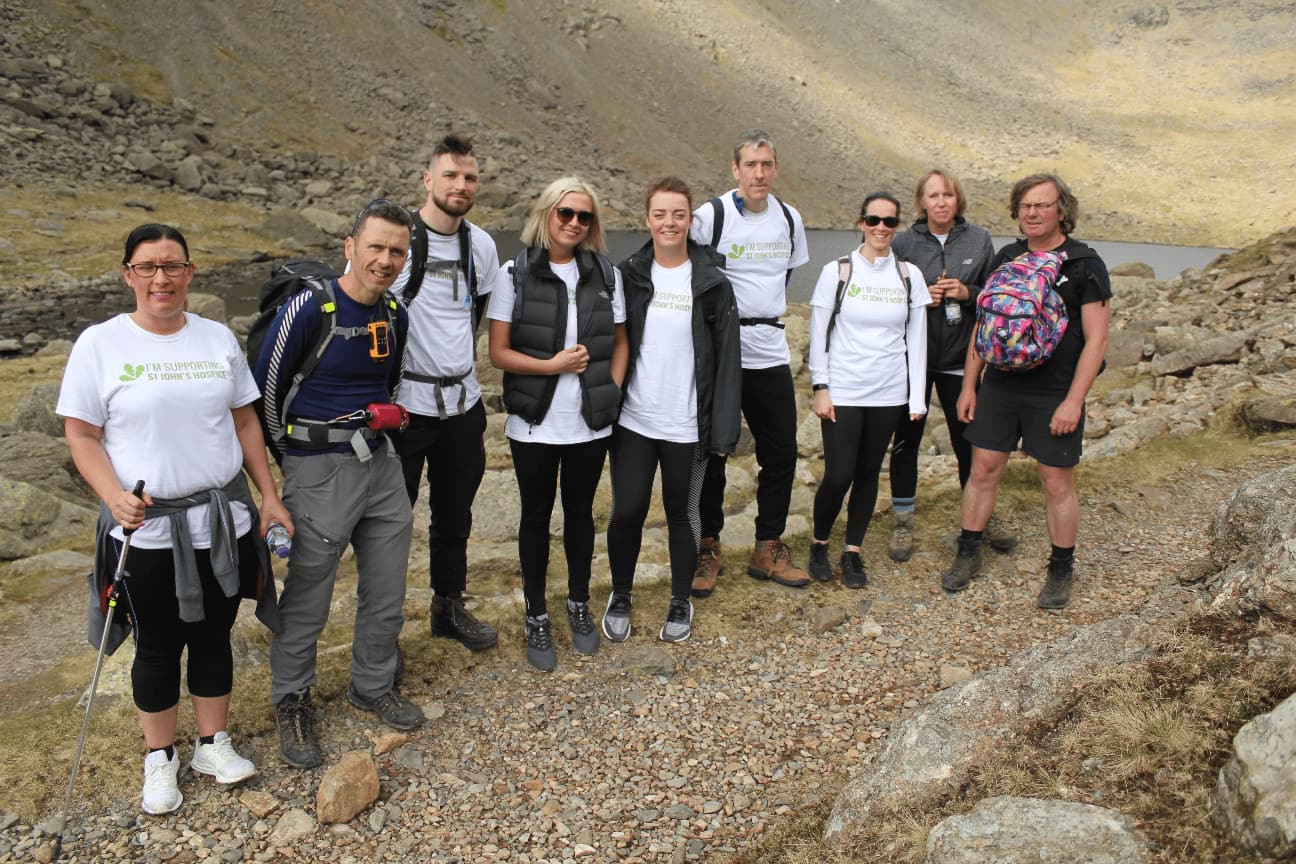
(763, 240)
(439, 387)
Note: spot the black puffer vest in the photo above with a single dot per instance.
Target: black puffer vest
(539, 330)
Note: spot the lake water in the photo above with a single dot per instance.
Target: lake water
(240, 286)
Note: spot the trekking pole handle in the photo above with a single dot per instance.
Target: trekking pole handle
(138, 492)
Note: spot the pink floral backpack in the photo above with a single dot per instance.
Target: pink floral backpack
(1020, 316)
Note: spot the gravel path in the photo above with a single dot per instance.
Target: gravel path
(650, 753)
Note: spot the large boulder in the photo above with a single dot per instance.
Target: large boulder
(34, 412)
(33, 521)
(1009, 830)
(1254, 545)
(1255, 797)
(44, 462)
(931, 752)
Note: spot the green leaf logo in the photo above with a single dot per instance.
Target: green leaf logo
(736, 251)
(854, 290)
(132, 373)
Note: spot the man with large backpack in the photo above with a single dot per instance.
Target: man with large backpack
(762, 240)
(459, 265)
(1040, 403)
(342, 479)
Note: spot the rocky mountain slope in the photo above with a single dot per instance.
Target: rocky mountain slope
(1173, 120)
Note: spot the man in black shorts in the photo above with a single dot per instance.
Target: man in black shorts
(1043, 408)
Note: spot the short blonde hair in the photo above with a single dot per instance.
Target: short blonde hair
(954, 186)
(536, 230)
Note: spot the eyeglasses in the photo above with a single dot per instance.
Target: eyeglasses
(565, 215)
(147, 269)
(1023, 207)
(889, 221)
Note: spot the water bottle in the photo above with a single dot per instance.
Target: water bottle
(953, 312)
(278, 541)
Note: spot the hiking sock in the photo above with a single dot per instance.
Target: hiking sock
(902, 505)
(169, 750)
(1062, 555)
(969, 540)
(207, 739)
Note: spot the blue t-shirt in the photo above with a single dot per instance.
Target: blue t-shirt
(346, 379)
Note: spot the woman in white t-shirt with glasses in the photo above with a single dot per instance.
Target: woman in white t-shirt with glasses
(558, 333)
(868, 367)
(681, 402)
(164, 396)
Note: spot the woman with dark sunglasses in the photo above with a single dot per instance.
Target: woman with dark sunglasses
(557, 332)
(868, 364)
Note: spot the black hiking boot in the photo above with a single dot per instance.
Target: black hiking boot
(298, 745)
(449, 619)
(819, 567)
(1056, 593)
(966, 567)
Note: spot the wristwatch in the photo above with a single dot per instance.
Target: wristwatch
(817, 387)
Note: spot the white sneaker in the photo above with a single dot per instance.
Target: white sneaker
(219, 760)
(161, 792)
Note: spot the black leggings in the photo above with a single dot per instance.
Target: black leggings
(634, 465)
(854, 447)
(908, 438)
(160, 635)
(538, 468)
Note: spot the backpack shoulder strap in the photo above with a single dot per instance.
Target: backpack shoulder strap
(418, 257)
(326, 304)
(717, 220)
(466, 256)
(787, 214)
(519, 281)
(605, 266)
(843, 279)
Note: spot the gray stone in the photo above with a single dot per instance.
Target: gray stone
(827, 618)
(650, 659)
(496, 507)
(328, 222)
(209, 306)
(931, 752)
(292, 826)
(1134, 268)
(188, 175)
(951, 675)
(61, 562)
(1253, 541)
(810, 437)
(1227, 348)
(1010, 830)
(1255, 796)
(1269, 413)
(34, 412)
(347, 788)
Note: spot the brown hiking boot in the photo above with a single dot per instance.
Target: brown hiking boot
(771, 559)
(901, 546)
(709, 567)
(999, 538)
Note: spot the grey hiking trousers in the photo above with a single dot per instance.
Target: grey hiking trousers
(334, 499)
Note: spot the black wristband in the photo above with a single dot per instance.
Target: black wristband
(817, 387)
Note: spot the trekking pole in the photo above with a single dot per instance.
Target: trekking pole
(113, 591)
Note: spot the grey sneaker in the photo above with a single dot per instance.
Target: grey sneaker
(679, 621)
(901, 546)
(616, 618)
(298, 745)
(584, 635)
(1056, 593)
(819, 567)
(966, 567)
(540, 647)
(391, 707)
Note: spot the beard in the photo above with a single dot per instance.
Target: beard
(456, 210)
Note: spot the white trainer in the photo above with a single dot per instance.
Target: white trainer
(161, 791)
(218, 759)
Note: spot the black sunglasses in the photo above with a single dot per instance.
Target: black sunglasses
(565, 215)
(889, 221)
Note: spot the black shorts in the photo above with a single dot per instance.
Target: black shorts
(1006, 415)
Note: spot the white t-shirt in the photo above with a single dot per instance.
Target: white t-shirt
(758, 254)
(442, 340)
(562, 423)
(164, 404)
(661, 398)
(866, 366)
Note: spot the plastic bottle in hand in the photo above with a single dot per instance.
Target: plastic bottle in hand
(953, 311)
(278, 541)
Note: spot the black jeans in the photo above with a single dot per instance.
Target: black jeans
(854, 448)
(634, 465)
(769, 405)
(456, 461)
(161, 637)
(539, 469)
(908, 438)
